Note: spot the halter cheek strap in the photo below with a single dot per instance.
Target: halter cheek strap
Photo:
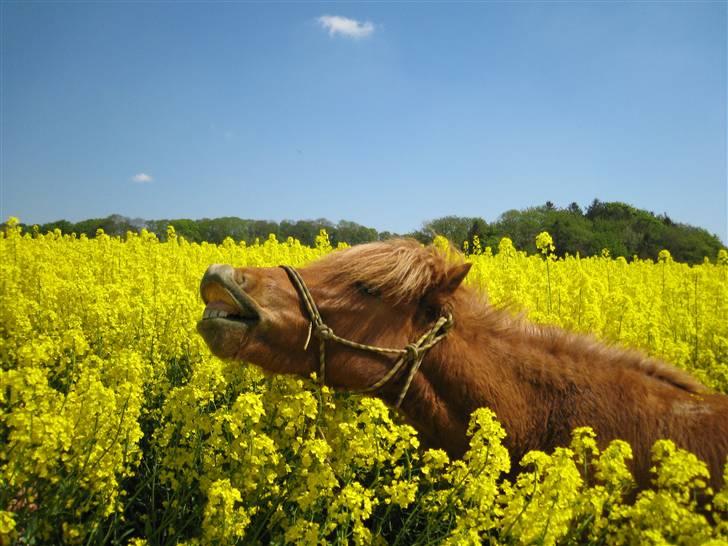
(412, 355)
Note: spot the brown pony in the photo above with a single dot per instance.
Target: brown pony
(541, 381)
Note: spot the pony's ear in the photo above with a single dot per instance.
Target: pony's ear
(453, 278)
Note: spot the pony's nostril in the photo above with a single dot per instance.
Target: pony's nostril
(215, 274)
(240, 278)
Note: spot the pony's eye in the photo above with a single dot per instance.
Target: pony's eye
(368, 290)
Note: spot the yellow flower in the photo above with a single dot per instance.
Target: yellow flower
(110, 401)
(545, 243)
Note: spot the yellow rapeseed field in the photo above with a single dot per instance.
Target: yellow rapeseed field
(118, 426)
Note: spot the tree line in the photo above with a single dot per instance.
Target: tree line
(618, 227)
(215, 230)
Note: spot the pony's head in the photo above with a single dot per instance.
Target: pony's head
(385, 294)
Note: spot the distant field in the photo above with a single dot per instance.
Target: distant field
(119, 426)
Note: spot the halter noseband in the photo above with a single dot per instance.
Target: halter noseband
(413, 354)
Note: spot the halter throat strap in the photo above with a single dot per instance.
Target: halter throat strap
(410, 356)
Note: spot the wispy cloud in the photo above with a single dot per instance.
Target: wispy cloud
(351, 28)
(142, 178)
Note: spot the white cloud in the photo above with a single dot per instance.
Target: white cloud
(141, 178)
(351, 28)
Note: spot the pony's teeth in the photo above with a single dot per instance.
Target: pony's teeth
(214, 313)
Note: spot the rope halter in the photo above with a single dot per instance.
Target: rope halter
(412, 355)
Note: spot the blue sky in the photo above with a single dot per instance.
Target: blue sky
(387, 114)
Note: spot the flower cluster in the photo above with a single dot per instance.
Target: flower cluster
(119, 426)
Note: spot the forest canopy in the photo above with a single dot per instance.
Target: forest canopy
(618, 227)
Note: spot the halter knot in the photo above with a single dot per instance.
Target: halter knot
(413, 351)
(324, 332)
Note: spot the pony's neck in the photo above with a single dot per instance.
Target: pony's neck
(535, 379)
(476, 366)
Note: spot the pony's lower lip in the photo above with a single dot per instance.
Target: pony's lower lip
(225, 336)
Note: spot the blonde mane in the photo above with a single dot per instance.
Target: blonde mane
(401, 270)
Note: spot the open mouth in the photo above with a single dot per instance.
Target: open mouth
(220, 310)
(225, 300)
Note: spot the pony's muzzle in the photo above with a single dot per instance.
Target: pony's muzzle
(222, 293)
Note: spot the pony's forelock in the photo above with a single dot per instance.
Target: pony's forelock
(402, 270)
